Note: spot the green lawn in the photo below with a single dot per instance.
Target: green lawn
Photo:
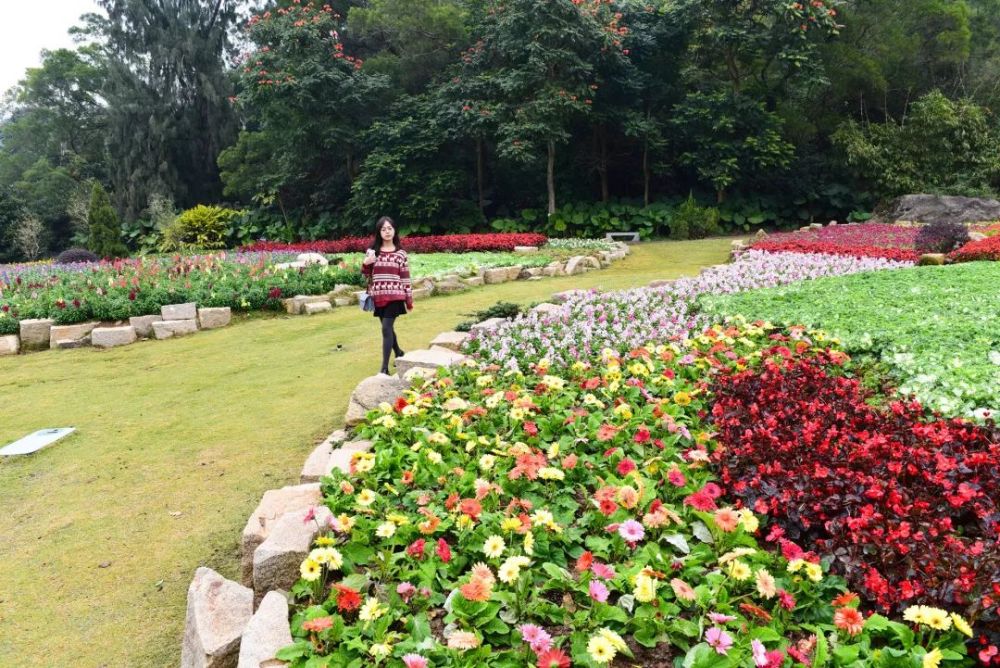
(176, 442)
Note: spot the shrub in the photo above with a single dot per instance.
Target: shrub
(690, 221)
(200, 227)
(907, 506)
(102, 222)
(941, 237)
(498, 310)
(74, 255)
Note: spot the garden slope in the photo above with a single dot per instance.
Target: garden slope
(935, 327)
(93, 567)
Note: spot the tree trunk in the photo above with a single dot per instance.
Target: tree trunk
(350, 168)
(479, 174)
(720, 195)
(552, 177)
(645, 173)
(603, 168)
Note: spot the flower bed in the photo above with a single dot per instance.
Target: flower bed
(934, 328)
(630, 318)
(893, 242)
(446, 243)
(984, 249)
(568, 517)
(909, 507)
(118, 290)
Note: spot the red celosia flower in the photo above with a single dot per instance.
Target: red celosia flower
(786, 599)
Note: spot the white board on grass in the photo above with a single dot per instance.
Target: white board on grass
(35, 442)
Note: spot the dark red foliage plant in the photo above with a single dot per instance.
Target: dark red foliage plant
(445, 243)
(908, 506)
(831, 248)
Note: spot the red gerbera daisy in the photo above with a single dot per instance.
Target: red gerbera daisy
(553, 658)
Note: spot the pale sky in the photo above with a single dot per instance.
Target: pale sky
(30, 26)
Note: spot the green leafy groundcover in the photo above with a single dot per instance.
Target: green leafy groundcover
(567, 517)
(934, 327)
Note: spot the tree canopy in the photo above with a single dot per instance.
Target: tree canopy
(316, 117)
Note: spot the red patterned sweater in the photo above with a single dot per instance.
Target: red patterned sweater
(390, 278)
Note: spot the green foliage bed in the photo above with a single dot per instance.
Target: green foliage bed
(934, 327)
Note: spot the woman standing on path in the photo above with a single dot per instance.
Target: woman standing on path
(388, 271)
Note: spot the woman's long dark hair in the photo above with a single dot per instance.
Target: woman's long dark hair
(377, 241)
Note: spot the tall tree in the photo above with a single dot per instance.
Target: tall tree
(167, 92)
(307, 102)
(535, 62)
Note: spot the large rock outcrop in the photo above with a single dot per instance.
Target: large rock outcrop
(934, 208)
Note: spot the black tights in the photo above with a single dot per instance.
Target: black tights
(389, 343)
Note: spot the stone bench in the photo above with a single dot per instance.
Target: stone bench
(627, 237)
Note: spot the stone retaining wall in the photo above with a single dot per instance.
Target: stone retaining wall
(174, 320)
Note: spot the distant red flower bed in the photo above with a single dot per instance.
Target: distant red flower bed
(445, 243)
(893, 242)
(984, 249)
(828, 248)
(909, 507)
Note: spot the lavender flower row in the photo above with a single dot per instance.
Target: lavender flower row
(622, 320)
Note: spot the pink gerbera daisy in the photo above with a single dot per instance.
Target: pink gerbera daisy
(631, 531)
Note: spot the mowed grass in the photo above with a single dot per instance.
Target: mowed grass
(176, 442)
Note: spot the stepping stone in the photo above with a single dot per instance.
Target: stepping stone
(188, 311)
(451, 340)
(218, 611)
(501, 275)
(274, 504)
(450, 286)
(36, 333)
(487, 325)
(430, 359)
(341, 290)
(418, 373)
(369, 393)
(422, 293)
(317, 307)
(70, 333)
(143, 324)
(10, 344)
(533, 272)
(215, 317)
(70, 344)
(266, 633)
(525, 249)
(112, 337)
(276, 561)
(166, 329)
(474, 281)
(340, 458)
(343, 301)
